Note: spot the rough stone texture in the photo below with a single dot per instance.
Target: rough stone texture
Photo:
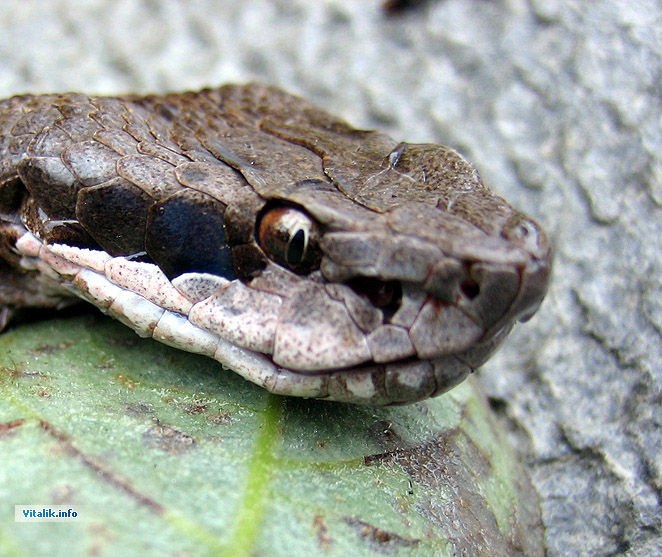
(558, 104)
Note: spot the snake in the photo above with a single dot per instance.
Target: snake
(246, 224)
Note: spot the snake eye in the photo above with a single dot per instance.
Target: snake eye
(290, 237)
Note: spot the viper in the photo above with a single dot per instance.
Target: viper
(245, 224)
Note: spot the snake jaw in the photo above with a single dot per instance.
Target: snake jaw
(209, 315)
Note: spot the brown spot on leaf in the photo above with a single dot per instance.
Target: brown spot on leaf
(221, 418)
(47, 349)
(379, 536)
(18, 371)
(322, 531)
(382, 431)
(138, 408)
(126, 381)
(7, 428)
(195, 407)
(167, 438)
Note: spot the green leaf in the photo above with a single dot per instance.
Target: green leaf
(166, 452)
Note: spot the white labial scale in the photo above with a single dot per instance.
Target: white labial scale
(177, 331)
(260, 370)
(60, 265)
(46, 270)
(295, 384)
(315, 332)
(251, 365)
(58, 262)
(136, 312)
(409, 376)
(85, 273)
(240, 315)
(358, 387)
(91, 259)
(29, 245)
(96, 289)
(147, 280)
(198, 286)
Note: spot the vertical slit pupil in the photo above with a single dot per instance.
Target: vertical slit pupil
(296, 248)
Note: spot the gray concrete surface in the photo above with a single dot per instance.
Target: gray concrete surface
(557, 103)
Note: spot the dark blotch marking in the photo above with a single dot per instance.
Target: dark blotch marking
(185, 233)
(115, 215)
(249, 260)
(12, 193)
(69, 233)
(51, 185)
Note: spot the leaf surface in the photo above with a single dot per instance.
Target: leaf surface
(164, 451)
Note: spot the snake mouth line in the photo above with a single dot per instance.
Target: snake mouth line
(365, 367)
(406, 325)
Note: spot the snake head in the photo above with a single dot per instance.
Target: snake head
(410, 285)
(245, 224)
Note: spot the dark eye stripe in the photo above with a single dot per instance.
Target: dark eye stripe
(185, 234)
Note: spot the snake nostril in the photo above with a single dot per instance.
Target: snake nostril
(384, 295)
(470, 288)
